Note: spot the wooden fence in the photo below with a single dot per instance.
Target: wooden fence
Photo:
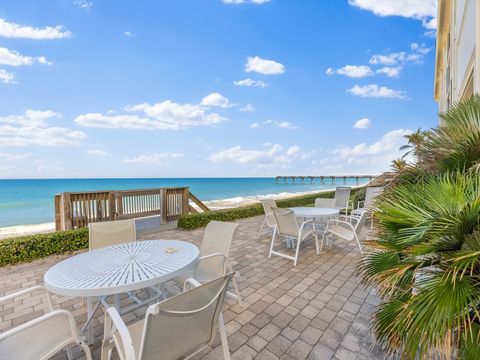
(77, 209)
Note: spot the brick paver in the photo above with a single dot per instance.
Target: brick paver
(316, 310)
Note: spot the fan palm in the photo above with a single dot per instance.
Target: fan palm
(426, 266)
(455, 144)
(425, 262)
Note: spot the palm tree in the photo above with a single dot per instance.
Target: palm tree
(425, 262)
(455, 144)
(415, 140)
(399, 165)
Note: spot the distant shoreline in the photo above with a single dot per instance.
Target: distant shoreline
(239, 201)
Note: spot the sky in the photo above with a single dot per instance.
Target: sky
(212, 88)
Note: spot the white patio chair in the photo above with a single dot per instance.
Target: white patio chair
(367, 205)
(342, 198)
(176, 328)
(348, 229)
(269, 220)
(42, 337)
(325, 203)
(213, 260)
(287, 227)
(102, 234)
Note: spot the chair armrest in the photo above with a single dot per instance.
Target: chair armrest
(349, 218)
(115, 324)
(303, 225)
(340, 222)
(192, 282)
(32, 289)
(361, 202)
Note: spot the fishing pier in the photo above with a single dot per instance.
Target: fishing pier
(326, 179)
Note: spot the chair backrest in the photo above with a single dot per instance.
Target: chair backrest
(102, 234)
(217, 239)
(268, 205)
(361, 221)
(325, 203)
(371, 193)
(342, 195)
(287, 224)
(39, 338)
(180, 325)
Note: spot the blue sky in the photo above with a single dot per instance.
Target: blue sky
(187, 88)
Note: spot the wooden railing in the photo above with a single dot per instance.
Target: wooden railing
(76, 210)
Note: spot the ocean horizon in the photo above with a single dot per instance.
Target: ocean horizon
(31, 201)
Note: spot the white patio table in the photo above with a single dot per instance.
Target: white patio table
(118, 269)
(315, 213)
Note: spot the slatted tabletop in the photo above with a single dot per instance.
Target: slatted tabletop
(120, 268)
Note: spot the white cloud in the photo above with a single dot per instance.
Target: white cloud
(157, 158)
(127, 33)
(14, 58)
(251, 82)
(368, 158)
(97, 152)
(13, 157)
(416, 56)
(83, 4)
(424, 10)
(160, 116)
(422, 49)
(253, 126)
(247, 108)
(352, 71)
(32, 128)
(281, 124)
(362, 123)
(216, 99)
(390, 142)
(7, 77)
(12, 30)
(375, 91)
(389, 71)
(263, 66)
(273, 155)
(258, 2)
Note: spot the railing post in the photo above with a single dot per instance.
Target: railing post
(67, 212)
(111, 206)
(58, 212)
(186, 201)
(163, 206)
(118, 203)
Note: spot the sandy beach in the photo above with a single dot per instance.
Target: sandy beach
(22, 230)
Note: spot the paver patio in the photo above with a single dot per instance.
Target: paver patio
(317, 310)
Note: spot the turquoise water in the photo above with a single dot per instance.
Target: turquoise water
(24, 202)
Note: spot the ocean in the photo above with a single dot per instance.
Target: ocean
(25, 202)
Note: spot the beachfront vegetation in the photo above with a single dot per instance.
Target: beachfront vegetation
(29, 248)
(425, 262)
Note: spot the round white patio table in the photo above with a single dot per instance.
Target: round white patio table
(314, 212)
(119, 268)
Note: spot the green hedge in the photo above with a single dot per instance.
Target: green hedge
(193, 221)
(28, 248)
